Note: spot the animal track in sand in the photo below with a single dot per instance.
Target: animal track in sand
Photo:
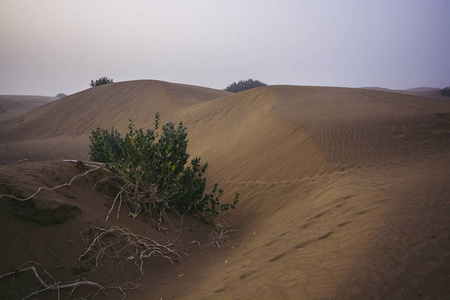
(278, 257)
(325, 236)
(247, 274)
(343, 224)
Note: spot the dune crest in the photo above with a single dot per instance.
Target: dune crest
(106, 106)
(12, 106)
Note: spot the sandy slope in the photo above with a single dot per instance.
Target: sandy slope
(425, 92)
(344, 191)
(14, 106)
(106, 106)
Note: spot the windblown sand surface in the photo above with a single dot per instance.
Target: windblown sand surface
(12, 106)
(344, 193)
(426, 92)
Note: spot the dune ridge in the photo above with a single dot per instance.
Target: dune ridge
(343, 191)
(106, 106)
(426, 92)
(12, 106)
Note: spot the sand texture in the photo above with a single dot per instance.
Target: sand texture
(344, 193)
(12, 106)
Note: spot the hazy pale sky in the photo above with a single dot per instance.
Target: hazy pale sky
(53, 46)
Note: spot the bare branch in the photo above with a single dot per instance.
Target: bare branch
(142, 247)
(53, 188)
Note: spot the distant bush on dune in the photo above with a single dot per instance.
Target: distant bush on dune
(243, 85)
(445, 91)
(101, 81)
(61, 95)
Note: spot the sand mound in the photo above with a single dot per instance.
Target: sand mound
(14, 106)
(344, 191)
(106, 106)
(425, 92)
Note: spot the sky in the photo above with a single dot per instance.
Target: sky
(52, 46)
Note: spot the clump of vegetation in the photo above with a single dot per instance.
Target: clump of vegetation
(61, 95)
(243, 85)
(153, 173)
(101, 81)
(445, 91)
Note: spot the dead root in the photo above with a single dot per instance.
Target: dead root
(122, 245)
(58, 285)
(220, 233)
(94, 166)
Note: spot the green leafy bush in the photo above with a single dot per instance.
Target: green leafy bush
(243, 85)
(153, 171)
(445, 91)
(101, 81)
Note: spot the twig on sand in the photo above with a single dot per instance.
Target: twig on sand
(19, 161)
(121, 243)
(57, 285)
(220, 233)
(95, 167)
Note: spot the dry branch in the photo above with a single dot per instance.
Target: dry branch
(55, 286)
(122, 244)
(220, 232)
(58, 286)
(95, 167)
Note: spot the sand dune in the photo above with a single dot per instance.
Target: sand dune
(344, 192)
(425, 92)
(12, 106)
(106, 106)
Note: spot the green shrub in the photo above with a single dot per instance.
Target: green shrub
(243, 85)
(153, 170)
(445, 91)
(101, 81)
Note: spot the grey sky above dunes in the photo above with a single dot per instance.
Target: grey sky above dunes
(48, 47)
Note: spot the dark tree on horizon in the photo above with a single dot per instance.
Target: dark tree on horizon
(61, 95)
(445, 91)
(243, 85)
(101, 81)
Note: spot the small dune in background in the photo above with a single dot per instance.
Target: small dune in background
(12, 106)
(344, 192)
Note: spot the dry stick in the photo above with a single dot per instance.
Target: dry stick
(44, 289)
(114, 202)
(181, 228)
(96, 237)
(10, 289)
(57, 286)
(53, 188)
(54, 286)
(144, 246)
(220, 236)
(118, 208)
(73, 290)
(103, 179)
(19, 161)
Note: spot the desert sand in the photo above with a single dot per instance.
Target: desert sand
(344, 194)
(12, 106)
(426, 92)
